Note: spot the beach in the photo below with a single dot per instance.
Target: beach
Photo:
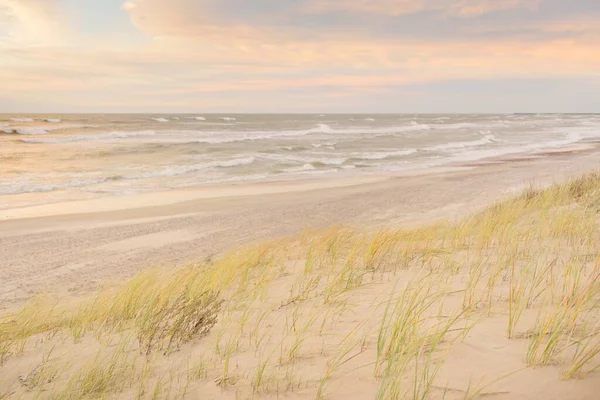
(299, 200)
(472, 279)
(78, 246)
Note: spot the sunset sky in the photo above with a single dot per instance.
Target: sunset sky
(299, 56)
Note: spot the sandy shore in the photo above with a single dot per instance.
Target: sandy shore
(75, 247)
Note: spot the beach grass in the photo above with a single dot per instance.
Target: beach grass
(338, 313)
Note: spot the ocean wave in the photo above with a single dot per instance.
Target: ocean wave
(329, 161)
(52, 120)
(571, 137)
(221, 138)
(160, 119)
(224, 137)
(305, 167)
(476, 154)
(199, 118)
(412, 127)
(188, 169)
(25, 186)
(88, 138)
(326, 145)
(487, 139)
(460, 125)
(313, 159)
(25, 131)
(382, 155)
(228, 119)
(32, 131)
(21, 119)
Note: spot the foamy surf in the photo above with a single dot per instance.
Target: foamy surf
(25, 131)
(121, 154)
(25, 186)
(90, 138)
(487, 139)
(192, 168)
(383, 154)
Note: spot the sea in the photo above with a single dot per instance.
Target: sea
(51, 158)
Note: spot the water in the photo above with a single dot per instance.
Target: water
(60, 157)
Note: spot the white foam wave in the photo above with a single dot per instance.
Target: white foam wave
(571, 137)
(331, 161)
(227, 137)
(223, 137)
(314, 171)
(160, 119)
(383, 155)
(199, 118)
(487, 139)
(461, 125)
(25, 186)
(7, 131)
(305, 167)
(31, 131)
(87, 138)
(369, 119)
(52, 120)
(21, 119)
(188, 169)
(228, 119)
(470, 154)
(326, 159)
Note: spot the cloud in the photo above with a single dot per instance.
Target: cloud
(33, 21)
(293, 21)
(219, 52)
(464, 8)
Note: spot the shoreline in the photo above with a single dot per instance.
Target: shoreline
(77, 250)
(261, 188)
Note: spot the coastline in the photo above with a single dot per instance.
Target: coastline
(44, 247)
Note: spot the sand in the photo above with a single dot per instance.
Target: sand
(75, 247)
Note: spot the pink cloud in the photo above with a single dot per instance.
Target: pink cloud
(465, 8)
(34, 21)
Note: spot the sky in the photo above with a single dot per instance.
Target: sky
(283, 56)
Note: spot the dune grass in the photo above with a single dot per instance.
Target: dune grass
(335, 308)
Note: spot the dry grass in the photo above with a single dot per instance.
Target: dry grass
(312, 315)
